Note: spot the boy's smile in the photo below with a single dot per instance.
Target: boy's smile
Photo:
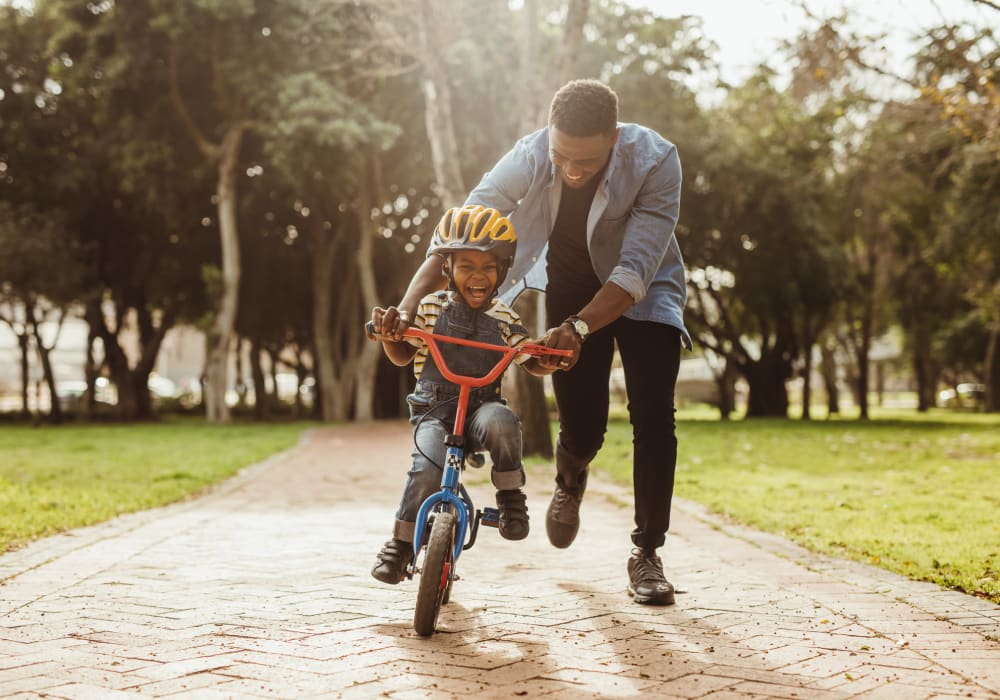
(475, 275)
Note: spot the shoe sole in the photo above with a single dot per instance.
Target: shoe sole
(387, 580)
(667, 599)
(560, 540)
(514, 535)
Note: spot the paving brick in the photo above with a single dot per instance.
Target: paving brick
(260, 588)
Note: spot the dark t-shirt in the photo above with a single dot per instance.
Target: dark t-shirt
(568, 265)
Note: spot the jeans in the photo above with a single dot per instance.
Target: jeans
(492, 427)
(650, 354)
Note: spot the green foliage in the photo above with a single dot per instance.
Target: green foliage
(52, 480)
(915, 496)
(806, 206)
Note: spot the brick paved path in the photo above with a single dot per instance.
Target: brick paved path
(261, 589)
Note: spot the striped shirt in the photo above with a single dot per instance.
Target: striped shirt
(512, 330)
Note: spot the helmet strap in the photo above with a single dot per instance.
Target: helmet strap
(448, 259)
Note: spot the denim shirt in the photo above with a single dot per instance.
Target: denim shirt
(630, 228)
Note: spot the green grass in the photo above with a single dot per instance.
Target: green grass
(918, 495)
(55, 479)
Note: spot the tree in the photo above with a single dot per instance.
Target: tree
(30, 250)
(762, 258)
(131, 202)
(339, 226)
(957, 69)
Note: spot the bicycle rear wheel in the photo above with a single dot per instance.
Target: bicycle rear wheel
(435, 574)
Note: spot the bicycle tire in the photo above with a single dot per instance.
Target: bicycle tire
(435, 574)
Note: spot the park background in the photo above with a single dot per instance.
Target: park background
(201, 201)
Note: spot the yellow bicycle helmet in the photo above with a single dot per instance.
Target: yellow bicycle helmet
(476, 227)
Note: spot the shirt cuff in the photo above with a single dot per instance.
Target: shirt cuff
(630, 281)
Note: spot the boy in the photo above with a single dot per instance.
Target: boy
(478, 246)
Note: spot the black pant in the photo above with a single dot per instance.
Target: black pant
(650, 354)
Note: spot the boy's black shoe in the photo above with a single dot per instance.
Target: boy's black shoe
(646, 582)
(562, 520)
(513, 507)
(391, 562)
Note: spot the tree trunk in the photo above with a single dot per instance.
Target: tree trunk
(217, 361)
(531, 93)
(90, 375)
(726, 383)
(55, 410)
(440, 124)
(261, 402)
(272, 356)
(22, 341)
(863, 380)
(923, 367)
(324, 257)
(348, 344)
(300, 378)
(991, 371)
(526, 394)
(828, 369)
(807, 383)
(863, 352)
(768, 395)
(134, 398)
(143, 397)
(241, 385)
(880, 384)
(364, 393)
(569, 48)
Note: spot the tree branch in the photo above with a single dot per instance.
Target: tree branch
(209, 149)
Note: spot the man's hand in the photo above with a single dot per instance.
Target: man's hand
(391, 322)
(562, 337)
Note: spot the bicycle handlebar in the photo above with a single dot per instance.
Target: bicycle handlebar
(509, 353)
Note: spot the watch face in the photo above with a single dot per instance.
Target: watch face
(581, 327)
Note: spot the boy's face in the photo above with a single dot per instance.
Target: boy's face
(475, 275)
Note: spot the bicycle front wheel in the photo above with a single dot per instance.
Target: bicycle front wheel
(435, 574)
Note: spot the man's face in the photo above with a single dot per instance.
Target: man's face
(475, 275)
(579, 158)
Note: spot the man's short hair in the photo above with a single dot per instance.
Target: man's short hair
(583, 108)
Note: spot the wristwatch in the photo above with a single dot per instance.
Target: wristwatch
(579, 326)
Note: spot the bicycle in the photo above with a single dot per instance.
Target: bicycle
(444, 517)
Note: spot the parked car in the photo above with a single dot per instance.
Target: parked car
(966, 395)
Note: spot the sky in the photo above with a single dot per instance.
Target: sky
(747, 31)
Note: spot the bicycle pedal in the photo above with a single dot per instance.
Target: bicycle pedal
(490, 517)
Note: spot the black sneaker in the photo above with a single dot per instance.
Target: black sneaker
(562, 520)
(513, 507)
(391, 562)
(646, 582)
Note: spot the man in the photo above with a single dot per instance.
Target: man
(598, 202)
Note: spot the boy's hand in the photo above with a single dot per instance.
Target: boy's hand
(391, 322)
(561, 337)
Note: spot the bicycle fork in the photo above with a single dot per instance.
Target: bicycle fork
(448, 495)
(453, 494)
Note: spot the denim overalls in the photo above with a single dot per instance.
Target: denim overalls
(489, 425)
